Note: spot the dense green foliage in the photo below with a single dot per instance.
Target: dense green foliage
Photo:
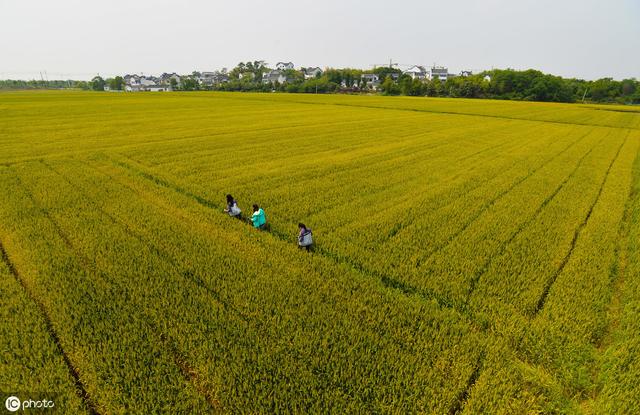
(33, 84)
(471, 256)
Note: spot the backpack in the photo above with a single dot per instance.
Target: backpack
(306, 239)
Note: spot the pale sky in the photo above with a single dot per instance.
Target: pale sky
(77, 39)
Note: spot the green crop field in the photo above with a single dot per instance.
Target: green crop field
(471, 256)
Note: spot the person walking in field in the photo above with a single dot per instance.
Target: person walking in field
(232, 208)
(305, 238)
(258, 219)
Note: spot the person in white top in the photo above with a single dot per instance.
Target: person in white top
(232, 208)
(305, 238)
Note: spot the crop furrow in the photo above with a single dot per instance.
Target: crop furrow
(619, 268)
(189, 373)
(73, 371)
(482, 270)
(187, 274)
(476, 185)
(574, 240)
(463, 396)
(495, 199)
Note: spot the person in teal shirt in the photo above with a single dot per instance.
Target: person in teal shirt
(258, 218)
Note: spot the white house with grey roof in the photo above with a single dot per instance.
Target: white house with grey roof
(166, 78)
(441, 73)
(311, 73)
(371, 80)
(417, 72)
(281, 66)
(273, 77)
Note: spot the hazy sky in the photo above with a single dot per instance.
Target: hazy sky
(77, 39)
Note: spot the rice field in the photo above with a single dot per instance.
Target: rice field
(470, 256)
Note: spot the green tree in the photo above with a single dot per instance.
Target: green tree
(389, 87)
(293, 76)
(384, 71)
(97, 83)
(116, 83)
(417, 88)
(629, 87)
(189, 84)
(604, 90)
(436, 88)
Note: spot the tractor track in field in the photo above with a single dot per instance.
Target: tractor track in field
(81, 390)
(618, 276)
(547, 288)
(485, 267)
(409, 182)
(397, 184)
(188, 372)
(484, 208)
(463, 396)
(619, 268)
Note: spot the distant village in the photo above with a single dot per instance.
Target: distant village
(385, 79)
(284, 73)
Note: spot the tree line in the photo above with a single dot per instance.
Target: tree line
(96, 84)
(509, 84)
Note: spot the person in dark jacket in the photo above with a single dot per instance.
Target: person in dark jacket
(305, 238)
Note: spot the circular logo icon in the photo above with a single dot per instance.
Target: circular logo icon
(12, 403)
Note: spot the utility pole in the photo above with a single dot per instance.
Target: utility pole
(585, 94)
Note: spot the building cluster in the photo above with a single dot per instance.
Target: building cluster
(170, 81)
(419, 72)
(135, 83)
(284, 72)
